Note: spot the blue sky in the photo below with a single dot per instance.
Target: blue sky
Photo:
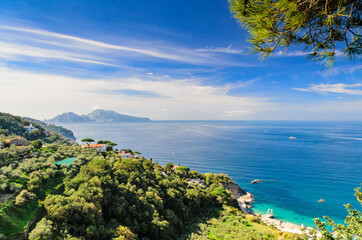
(167, 60)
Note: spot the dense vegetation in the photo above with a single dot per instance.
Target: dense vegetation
(116, 198)
(13, 125)
(26, 180)
(112, 197)
(28, 173)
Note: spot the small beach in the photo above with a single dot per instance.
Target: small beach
(245, 201)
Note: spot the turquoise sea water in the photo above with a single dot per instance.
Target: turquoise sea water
(325, 162)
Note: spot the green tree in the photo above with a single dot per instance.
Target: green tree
(87, 141)
(321, 26)
(109, 148)
(183, 170)
(33, 135)
(169, 167)
(24, 197)
(37, 144)
(43, 230)
(110, 145)
(35, 181)
(124, 233)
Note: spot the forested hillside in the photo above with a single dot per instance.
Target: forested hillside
(11, 125)
(101, 195)
(14, 125)
(54, 128)
(115, 198)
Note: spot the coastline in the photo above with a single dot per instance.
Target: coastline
(245, 199)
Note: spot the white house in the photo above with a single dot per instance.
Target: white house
(98, 147)
(125, 155)
(30, 128)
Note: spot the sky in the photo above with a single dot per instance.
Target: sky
(166, 60)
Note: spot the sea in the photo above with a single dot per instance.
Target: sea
(311, 176)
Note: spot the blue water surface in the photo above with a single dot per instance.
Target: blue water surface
(324, 162)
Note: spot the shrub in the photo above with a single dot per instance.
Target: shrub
(43, 230)
(24, 197)
(124, 233)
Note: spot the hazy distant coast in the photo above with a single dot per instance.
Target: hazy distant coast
(98, 115)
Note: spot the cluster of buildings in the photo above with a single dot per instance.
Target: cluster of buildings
(17, 141)
(102, 148)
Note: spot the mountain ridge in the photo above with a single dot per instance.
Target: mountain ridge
(98, 115)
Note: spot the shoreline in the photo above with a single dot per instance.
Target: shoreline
(245, 199)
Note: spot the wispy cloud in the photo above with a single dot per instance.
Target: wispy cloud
(132, 47)
(135, 93)
(352, 89)
(17, 51)
(96, 44)
(228, 49)
(340, 70)
(291, 54)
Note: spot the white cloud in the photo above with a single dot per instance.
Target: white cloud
(130, 49)
(96, 44)
(291, 54)
(352, 89)
(17, 51)
(228, 49)
(182, 98)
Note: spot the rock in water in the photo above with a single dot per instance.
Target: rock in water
(256, 181)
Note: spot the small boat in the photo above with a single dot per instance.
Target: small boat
(292, 138)
(256, 181)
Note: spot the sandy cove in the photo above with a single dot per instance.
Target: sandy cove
(245, 199)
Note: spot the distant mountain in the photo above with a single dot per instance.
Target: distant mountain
(69, 117)
(98, 115)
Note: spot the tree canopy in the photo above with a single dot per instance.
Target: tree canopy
(88, 141)
(325, 28)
